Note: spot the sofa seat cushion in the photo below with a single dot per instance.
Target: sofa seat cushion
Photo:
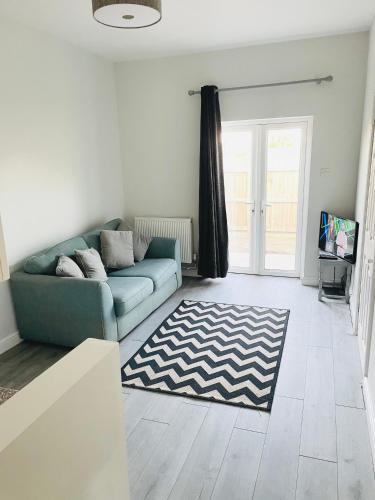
(158, 270)
(129, 292)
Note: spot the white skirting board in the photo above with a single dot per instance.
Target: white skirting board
(9, 342)
(370, 412)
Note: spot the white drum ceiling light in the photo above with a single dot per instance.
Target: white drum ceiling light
(127, 14)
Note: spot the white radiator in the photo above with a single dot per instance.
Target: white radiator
(167, 227)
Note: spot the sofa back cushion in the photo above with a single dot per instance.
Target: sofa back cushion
(92, 238)
(45, 262)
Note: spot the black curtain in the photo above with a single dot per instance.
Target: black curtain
(213, 227)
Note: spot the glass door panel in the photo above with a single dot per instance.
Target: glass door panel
(238, 145)
(281, 208)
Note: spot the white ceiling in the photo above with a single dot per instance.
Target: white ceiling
(194, 25)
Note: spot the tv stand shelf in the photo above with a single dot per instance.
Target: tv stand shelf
(334, 288)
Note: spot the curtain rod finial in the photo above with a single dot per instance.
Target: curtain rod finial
(325, 79)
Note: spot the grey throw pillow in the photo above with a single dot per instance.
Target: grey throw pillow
(140, 242)
(67, 268)
(91, 264)
(117, 249)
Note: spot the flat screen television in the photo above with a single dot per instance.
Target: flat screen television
(338, 236)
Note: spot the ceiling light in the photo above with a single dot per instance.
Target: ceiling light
(127, 14)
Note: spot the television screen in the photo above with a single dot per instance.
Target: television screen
(338, 236)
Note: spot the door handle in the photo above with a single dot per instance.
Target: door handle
(264, 206)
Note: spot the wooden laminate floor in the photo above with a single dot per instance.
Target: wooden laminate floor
(313, 445)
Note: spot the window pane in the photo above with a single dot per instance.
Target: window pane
(282, 185)
(237, 150)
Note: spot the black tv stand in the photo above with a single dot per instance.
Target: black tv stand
(334, 288)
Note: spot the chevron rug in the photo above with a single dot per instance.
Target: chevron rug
(221, 352)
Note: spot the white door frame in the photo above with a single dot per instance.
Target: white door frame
(260, 127)
(365, 305)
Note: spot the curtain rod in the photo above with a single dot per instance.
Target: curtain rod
(276, 84)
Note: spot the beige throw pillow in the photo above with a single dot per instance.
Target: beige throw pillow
(140, 242)
(67, 268)
(117, 249)
(91, 264)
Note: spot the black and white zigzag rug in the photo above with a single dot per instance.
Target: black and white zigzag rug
(221, 352)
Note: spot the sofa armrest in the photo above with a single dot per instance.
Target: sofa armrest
(166, 248)
(63, 311)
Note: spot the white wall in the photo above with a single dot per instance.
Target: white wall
(160, 122)
(60, 168)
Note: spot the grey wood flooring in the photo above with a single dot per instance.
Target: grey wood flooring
(313, 445)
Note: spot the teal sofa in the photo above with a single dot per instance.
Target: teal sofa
(66, 311)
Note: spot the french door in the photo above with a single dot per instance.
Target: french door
(264, 169)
